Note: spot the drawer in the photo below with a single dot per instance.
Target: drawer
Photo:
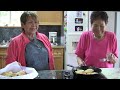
(2, 61)
(58, 63)
(58, 52)
(3, 50)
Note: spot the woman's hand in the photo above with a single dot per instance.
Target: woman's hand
(112, 58)
(80, 61)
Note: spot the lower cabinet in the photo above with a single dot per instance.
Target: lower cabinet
(2, 57)
(58, 53)
(2, 61)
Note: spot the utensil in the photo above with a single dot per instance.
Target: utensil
(107, 59)
(103, 60)
(73, 67)
(21, 67)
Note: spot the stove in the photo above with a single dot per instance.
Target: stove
(67, 75)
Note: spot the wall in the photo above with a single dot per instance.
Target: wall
(111, 21)
(6, 33)
(118, 39)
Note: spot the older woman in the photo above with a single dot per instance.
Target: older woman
(31, 48)
(98, 46)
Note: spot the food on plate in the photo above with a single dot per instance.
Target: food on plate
(13, 74)
(21, 73)
(86, 72)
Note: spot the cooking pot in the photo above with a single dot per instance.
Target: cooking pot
(85, 76)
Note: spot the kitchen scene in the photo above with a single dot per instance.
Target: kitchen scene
(63, 28)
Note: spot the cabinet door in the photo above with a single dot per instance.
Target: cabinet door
(2, 61)
(58, 63)
(58, 54)
(2, 57)
(50, 17)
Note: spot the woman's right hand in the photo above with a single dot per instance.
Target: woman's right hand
(80, 61)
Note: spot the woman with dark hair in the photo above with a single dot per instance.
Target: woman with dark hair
(98, 46)
(31, 48)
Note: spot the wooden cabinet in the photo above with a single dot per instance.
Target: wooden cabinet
(2, 57)
(50, 17)
(58, 53)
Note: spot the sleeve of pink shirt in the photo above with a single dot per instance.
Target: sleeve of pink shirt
(114, 45)
(81, 46)
(11, 53)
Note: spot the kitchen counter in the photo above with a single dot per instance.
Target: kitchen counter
(53, 46)
(3, 46)
(111, 73)
(57, 46)
(107, 73)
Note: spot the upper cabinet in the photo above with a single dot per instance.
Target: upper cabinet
(50, 17)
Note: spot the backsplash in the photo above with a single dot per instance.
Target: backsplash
(10, 32)
(46, 29)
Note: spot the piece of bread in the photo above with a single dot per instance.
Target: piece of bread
(13, 74)
(79, 71)
(21, 73)
(9, 74)
(89, 70)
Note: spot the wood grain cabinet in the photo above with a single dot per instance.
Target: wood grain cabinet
(58, 53)
(50, 17)
(2, 57)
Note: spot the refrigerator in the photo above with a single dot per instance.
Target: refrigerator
(117, 65)
(75, 23)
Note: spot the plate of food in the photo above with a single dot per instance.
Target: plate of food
(85, 72)
(15, 71)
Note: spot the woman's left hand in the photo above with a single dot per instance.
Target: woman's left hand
(112, 58)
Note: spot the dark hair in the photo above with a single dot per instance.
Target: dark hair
(25, 15)
(99, 15)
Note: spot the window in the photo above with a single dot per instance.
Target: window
(10, 18)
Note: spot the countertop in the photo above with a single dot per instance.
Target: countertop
(111, 73)
(53, 46)
(3, 46)
(58, 46)
(107, 73)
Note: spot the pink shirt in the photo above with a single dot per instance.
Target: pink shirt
(16, 49)
(91, 50)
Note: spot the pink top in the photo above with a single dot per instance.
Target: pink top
(16, 49)
(91, 50)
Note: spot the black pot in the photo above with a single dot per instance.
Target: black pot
(84, 76)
